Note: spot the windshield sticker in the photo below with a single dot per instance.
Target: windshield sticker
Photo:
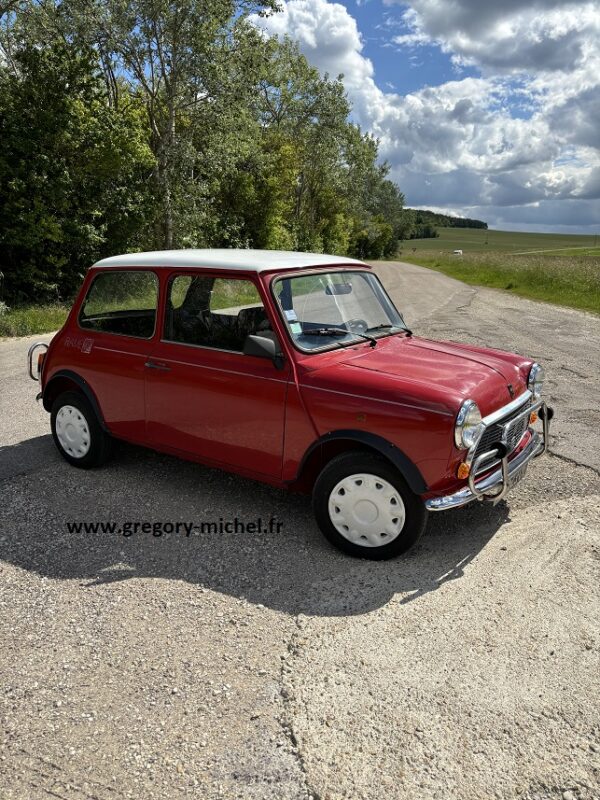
(296, 328)
(291, 315)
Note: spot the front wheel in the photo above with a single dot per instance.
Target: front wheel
(364, 507)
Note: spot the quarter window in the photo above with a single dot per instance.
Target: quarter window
(122, 302)
(214, 312)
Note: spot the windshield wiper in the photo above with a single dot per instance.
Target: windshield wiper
(340, 332)
(387, 326)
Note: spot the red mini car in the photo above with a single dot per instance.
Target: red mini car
(295, 369)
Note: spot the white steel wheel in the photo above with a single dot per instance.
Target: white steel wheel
(367, 510)
(72, 431)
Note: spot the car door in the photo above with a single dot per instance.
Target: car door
(117, 322)
(203, 395)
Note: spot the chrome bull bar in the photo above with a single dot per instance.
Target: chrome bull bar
(502, 453)
(494, 486)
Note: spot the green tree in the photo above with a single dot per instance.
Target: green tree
(303, 119)
(194, 64)
(376, 203)
(158, 125)
(73, 172)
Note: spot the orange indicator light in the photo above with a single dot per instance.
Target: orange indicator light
(463, 470)
(533, 417)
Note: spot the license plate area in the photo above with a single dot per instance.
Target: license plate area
(517, 477)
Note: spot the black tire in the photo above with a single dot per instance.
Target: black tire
(99, 442)
(358, 462)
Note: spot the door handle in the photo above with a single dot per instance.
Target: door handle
(157, 365)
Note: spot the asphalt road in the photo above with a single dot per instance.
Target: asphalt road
(241, 666)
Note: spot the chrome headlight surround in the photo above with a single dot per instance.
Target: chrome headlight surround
(468, 427)
(535, 381)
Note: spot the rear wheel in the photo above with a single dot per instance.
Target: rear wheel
(364, 507)
(77, 433)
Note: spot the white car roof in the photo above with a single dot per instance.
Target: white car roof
(244, 260)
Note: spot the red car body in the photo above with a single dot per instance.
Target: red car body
(281, 422)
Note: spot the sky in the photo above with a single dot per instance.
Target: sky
(483, 108)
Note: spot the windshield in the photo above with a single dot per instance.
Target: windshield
(331, 309)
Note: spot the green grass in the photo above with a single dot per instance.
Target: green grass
(233, 294)
(28, 320)
(568, 280)
(471, 240)
(574, 251)
(552, 267)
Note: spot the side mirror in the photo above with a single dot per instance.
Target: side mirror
(264, 347)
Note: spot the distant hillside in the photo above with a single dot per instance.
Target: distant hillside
(445, 221)
(423, 224)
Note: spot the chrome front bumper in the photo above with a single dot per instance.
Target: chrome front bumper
(495, 486)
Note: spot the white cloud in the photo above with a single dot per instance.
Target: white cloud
(510, 36)
(459, 145)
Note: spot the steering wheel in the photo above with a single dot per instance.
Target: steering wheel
(357, 325)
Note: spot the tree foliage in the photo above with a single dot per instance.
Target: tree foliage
(140, 124)
(424, 224)
(73, 171)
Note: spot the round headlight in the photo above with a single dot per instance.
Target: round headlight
(535, 381)
(468, 426)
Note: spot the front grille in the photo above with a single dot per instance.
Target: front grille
(515, 432)
(493, 435)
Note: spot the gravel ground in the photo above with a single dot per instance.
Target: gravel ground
(271, 666)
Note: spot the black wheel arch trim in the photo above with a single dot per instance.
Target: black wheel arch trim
(85, 389)
(409, 471)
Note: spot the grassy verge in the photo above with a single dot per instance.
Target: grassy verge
(569, 281)
(27, 320)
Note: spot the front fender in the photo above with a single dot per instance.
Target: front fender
(409, 471)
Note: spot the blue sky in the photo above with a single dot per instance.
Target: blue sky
(483, 108)
(404, 69)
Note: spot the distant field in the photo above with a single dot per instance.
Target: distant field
(554, 268)
(475, 240)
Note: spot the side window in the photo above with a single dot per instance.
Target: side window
(213, 312)
(122, 302)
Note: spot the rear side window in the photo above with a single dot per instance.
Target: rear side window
(122, 302)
